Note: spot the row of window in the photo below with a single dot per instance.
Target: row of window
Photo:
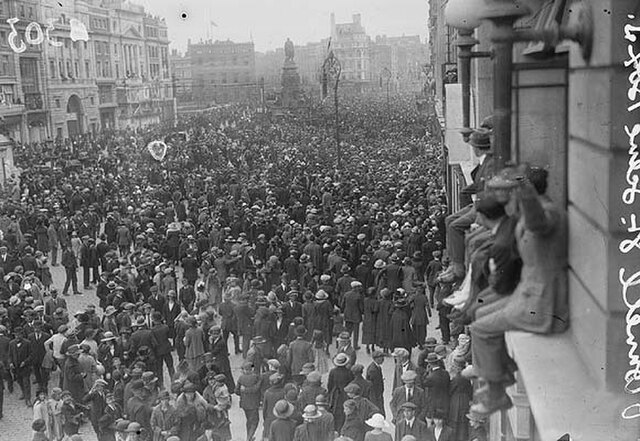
(224, 79)
(222, 62)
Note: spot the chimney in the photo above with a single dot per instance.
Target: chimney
(356, 19)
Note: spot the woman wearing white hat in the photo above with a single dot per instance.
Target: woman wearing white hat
(378, 423)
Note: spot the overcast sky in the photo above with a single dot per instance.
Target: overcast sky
(270, 22)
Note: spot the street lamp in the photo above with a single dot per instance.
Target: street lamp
(387, 74)
(332, 68)
(466, 14)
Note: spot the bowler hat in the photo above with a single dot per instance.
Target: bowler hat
(283, 409)
(480, 139)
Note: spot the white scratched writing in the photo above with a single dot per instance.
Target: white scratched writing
(34, 35)
(632, 317)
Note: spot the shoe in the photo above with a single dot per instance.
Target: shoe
(470, 372)
(66, 294)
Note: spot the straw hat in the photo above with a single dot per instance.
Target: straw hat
(377, 421)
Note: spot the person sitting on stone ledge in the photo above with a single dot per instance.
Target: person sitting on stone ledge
(457, 224)
(538, 303)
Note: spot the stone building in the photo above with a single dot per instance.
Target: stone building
(575, 118)
(223, 72)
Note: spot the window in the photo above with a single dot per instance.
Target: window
(5, 66)
(98, 68)
(58, 104)
(21, 10)
(61, 69)
(91, 100)
(52, 68)
(87, 69)
(115, 50)
(30, 12)
(69, 69)
(117, 70)
(2, 7)
(107, 69)
(77, 71)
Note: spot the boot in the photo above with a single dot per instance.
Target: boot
(491, 398)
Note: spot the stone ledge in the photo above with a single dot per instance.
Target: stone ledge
(561, 392)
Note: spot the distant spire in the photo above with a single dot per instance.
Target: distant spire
(250, 36)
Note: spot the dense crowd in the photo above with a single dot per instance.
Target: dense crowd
(247, 229)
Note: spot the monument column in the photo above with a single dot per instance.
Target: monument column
(290, 78)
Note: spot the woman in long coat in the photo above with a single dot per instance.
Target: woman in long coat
(369, 324)
(461, 393)
(339, 377)
(401, 334)
(194, 342)
(383, 330)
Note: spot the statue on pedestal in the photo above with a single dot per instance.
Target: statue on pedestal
(288, 50)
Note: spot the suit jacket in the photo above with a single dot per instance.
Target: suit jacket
(374, 375)
(352, 306)
(250, 395)
(419, 312)
(162, 333)
(436, 385)
(419, 429)
(446, 434)
(480, 174)
(290, 312)
(399, 397)
(52, 304)
(300, 353)
(143, 337)
(36, 347)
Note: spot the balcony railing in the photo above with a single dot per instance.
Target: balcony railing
(33, 101)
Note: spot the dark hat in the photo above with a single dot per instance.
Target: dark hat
(480, 139)
(377, 354)
(490, 207)
(301, 330)
(321, 400)
(38, 425)
(220, 378)
(188, 387)
(431, 342)
(432, 358)
(353, 388)
(408, 405)
(283, 409)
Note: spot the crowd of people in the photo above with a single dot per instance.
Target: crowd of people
(247, 229)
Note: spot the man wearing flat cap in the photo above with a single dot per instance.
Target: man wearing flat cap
(248, 388)
(353, 308)
(458, 223)
(407, 393)
(410, 424)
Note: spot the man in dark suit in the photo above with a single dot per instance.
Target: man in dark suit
(458, 223)
(439, 430)
(419, 319)
(7, 262)
(220, 352)
(54, 303)
(162, 333)
(156, 301)
(142, 336)
(37, 352)
(291, 309)
(248, 388)
(353, 307)
(408, 393)
(410, 425)
(374, 375)
(436, 385)
(244, 316)
(300, 351)
(171, 310)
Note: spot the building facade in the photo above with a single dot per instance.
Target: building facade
(181, 77)
(223, 72)
(572, 117)
(352, 46)
(59, 87)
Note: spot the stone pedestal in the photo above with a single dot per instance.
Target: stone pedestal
(290, 85)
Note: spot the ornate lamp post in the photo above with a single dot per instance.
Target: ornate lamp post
(386, 73)
(332, 68)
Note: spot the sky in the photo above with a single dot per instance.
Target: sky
(271, 22)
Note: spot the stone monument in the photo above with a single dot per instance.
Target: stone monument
(290, 78)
